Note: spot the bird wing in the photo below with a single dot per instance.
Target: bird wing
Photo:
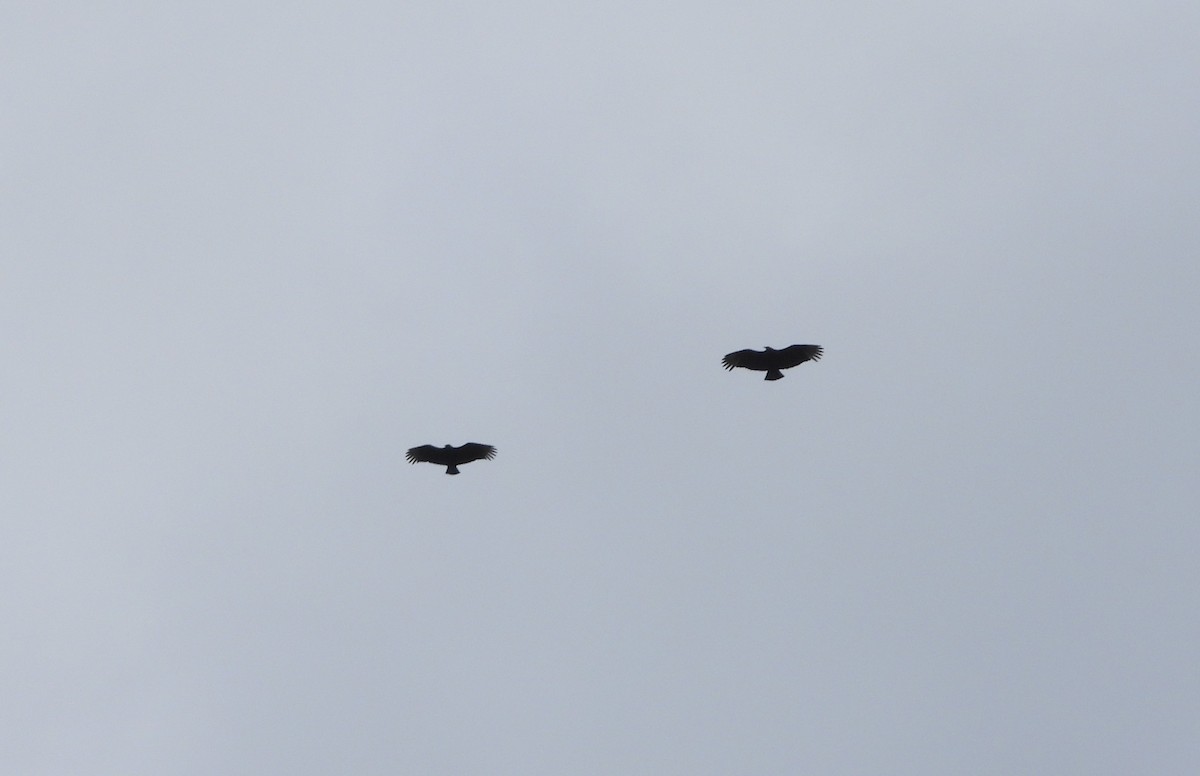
(473, 451)
(796, 355)
(748, 359)
(428, 454)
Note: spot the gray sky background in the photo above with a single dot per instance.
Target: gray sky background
(250, 255)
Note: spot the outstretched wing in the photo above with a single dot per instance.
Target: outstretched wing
(428, 454)
(796, 355)
(747, 359)
(473, 451)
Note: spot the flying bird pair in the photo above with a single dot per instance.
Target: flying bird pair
(771, 361)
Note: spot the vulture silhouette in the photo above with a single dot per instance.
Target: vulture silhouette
(451, 457)
(771, 360)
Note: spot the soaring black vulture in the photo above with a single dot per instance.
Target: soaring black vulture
(451, 457)
(772, 360)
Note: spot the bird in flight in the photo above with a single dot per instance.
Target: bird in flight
(451, 457)
(771, 360)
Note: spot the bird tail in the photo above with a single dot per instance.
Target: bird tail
(774, 374)
(452, 469)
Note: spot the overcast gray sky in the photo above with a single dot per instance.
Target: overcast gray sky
(251, 252)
